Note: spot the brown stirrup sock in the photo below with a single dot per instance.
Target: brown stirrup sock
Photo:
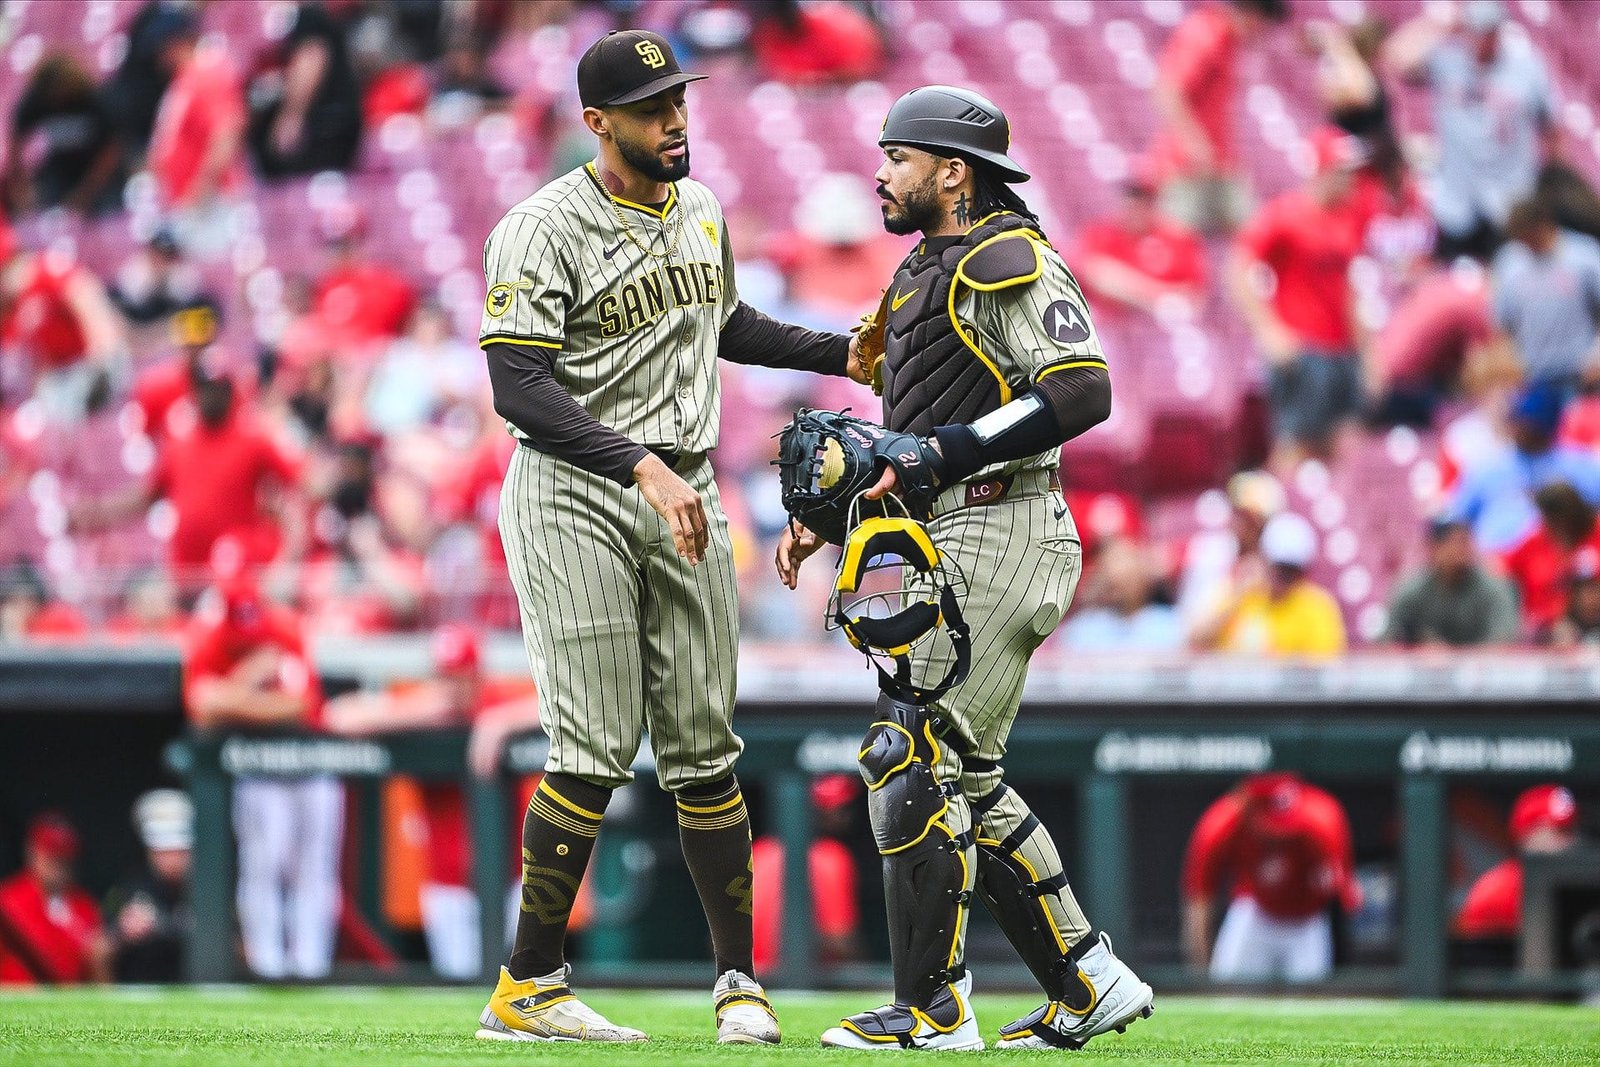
(558, 835)
(714, 829)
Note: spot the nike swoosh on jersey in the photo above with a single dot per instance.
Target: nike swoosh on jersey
(613, 250)
(894, 305)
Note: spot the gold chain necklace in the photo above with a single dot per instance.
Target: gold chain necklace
(627, 231)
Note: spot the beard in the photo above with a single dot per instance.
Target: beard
(917, 210)
(647, 161)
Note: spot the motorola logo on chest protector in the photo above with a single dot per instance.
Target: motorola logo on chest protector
(1065, 323)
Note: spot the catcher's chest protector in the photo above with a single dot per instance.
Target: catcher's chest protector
(931, 375)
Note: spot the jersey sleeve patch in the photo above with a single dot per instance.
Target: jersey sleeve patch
(500, 298)
(1065, 324)
(1001, 262)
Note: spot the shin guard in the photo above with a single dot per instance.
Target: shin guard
(922, 829)
(1019, 878)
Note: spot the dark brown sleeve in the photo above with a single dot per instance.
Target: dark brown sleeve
(751, 337)
(1080, 398)
(527, 396)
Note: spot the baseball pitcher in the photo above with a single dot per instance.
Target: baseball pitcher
(611, 296)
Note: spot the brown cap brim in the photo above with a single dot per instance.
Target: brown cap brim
(649, 89)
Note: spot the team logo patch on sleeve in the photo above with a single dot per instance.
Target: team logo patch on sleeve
(710, 228)
(1065, 323)
(499, 300)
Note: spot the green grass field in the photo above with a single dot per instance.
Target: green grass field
(383, 1027)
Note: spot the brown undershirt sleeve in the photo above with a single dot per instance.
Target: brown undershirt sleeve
(751, 337)
(527, 395)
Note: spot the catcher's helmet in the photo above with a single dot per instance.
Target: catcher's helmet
(958, 121)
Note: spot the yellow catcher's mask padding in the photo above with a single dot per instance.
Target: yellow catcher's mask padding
(876, 537)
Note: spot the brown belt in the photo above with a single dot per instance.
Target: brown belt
(990, 491)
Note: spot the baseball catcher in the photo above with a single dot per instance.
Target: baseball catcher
(987, 361)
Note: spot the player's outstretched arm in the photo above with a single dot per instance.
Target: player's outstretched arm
(751, 337)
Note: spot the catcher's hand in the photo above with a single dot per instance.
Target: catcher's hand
(866, 346)
(827, 459)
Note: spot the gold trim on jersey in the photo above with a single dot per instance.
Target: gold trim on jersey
(659, 213)
(507, 339)
(1082, 361)
(969, 335)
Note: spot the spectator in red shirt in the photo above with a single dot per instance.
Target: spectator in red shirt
(1286, 845)
(1544, 819)
(1138, 258)
(833, 876)
(57, 321)
(1308, 330)
(246, 668)
(29, 613)
(196, 148)
(816, 42)
(50, 930)
(215, 471)
(1541, 566)
(1440, 329)
(1196, 94)
(460, 694)
(160, 389)
(358, 303)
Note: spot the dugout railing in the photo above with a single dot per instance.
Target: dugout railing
(1107, 737)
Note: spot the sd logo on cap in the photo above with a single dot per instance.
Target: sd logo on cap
(626, 66)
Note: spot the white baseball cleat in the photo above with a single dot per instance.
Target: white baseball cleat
(744, 1014)
(948, 1025)
(546, 1009)
(1118, 998)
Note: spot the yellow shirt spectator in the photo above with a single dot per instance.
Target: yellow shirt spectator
(1303, 621)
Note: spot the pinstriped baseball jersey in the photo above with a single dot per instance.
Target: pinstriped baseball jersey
(635, 334)
(1030, 331)
(622, 634)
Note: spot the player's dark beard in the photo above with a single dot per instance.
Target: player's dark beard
(647, 161)
(915, 211)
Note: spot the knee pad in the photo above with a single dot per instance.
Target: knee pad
(904, 798)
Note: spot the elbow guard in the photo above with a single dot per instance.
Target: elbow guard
(1024, 427)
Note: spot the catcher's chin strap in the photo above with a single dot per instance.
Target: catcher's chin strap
(894, 635)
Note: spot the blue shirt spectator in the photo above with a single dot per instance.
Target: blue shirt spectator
(1496, 495)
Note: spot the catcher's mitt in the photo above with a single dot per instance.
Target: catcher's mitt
(827, 459)
(869, 341)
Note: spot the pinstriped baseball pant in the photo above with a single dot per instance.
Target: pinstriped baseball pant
(1022, 559)
(621, 633)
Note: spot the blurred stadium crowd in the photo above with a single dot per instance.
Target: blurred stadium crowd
(1342, 255)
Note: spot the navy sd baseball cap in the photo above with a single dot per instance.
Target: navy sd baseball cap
(626, 66)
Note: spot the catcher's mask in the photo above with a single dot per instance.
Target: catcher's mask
(893, 591)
